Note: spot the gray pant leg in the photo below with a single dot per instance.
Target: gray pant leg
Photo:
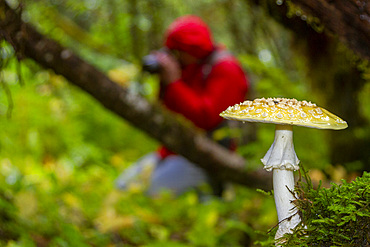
(177, 174)
(136, 172)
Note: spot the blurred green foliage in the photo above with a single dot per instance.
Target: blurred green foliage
(60, 153)
(60, 150)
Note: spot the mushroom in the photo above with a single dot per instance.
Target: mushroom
(281, 157)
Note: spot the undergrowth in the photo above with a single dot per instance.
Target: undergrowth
(335, 216)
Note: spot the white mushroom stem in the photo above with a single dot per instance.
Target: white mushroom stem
(282, 159)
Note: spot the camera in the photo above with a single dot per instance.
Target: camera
(150, 62)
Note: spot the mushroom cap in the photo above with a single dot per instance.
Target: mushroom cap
(284, 111)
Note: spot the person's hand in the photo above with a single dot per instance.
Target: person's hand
(170, 67)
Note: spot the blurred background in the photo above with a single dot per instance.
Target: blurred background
(60, 150)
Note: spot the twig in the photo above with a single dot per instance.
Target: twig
(19, 73)
(8, 94)
(287, 218)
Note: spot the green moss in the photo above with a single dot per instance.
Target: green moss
(336, 216)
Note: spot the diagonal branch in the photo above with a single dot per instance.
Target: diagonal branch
(348, 20)
(151, 118)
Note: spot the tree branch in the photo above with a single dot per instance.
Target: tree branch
(151, 118)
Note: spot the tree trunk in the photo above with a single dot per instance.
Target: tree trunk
(160, 124)
(334, 77)
(349, 20)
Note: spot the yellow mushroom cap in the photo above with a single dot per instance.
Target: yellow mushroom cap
(284, 111)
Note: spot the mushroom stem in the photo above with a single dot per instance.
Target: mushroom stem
(282, 159)
(283, 183)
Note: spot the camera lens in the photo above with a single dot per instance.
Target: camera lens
(151, 64)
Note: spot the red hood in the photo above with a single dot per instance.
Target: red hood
(190, 34)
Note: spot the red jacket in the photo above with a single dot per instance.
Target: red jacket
(200, 99)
